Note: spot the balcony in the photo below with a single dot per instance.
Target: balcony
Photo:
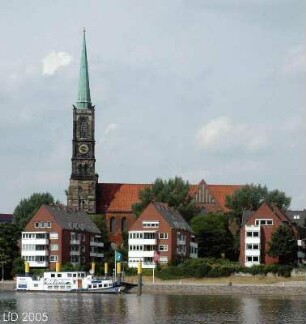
(143, 241)
(75, 242)
(141, 254)
(35, 241)
(252, 253)
(38, 264)
(75, 253)
(97, 255)
(252, 240)
(181, 242)
(35, 253)
(97, 244)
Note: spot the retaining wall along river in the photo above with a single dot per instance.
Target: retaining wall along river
(289, 289)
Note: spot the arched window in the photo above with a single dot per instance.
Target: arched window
(112, 224)
(83, 127)
(123, 224)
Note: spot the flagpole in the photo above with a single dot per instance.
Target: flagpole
(115, 267)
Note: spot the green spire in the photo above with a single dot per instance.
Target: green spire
(84, 101)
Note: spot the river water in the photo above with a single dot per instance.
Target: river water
(71, 308)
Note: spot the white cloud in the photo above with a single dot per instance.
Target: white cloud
(54, 61)
(110, 127)
(295, 60)
(213, 132)
(223, 134)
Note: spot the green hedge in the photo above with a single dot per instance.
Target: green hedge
(213, 268)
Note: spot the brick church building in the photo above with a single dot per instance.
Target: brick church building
(114, 200)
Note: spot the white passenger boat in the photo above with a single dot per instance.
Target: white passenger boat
(67, 281)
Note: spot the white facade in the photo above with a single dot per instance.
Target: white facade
(35, 248)
(142, 245)
(252, 245)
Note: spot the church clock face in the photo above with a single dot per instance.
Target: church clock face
(83, 148)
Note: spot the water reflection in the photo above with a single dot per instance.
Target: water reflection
(95, 308)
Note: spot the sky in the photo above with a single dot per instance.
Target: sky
(202, 89)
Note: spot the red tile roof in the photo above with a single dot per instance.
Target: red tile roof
(119, 197)
(219, 192)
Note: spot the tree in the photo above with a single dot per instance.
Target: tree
(27, 207)
(174, 192)
(100, 222)
(213, 235)
(250, 197)
(9, 236)
(283, 245)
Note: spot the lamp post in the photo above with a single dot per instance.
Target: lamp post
(2, 272)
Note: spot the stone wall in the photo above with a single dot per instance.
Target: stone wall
(291, 289)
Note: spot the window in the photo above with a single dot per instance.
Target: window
(54, 247)
(252, 259)
(123, 224)
(53, 258)
(263, 222)
(252, 234)
(149, 236)
(41, 236)
(163, 236)
(163, 247)
(163, 259)
(54, 235)
(112, 224)
(252, 246)
(75, 259)
(150, 224)
(40, 247)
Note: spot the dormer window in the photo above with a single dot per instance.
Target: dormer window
(261, 222)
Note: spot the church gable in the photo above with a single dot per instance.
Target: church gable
(119, 197)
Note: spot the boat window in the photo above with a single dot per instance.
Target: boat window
(100, 286)
(89, 286)
(82, 275)
(52, 275)
(74, 274)
(55, 287)
(59, 275)
(69, 275)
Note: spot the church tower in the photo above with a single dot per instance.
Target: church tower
(83, 180)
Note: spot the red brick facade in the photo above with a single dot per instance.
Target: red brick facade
(58, 244)
(115, 201)
(264, 213)
(172, 235)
